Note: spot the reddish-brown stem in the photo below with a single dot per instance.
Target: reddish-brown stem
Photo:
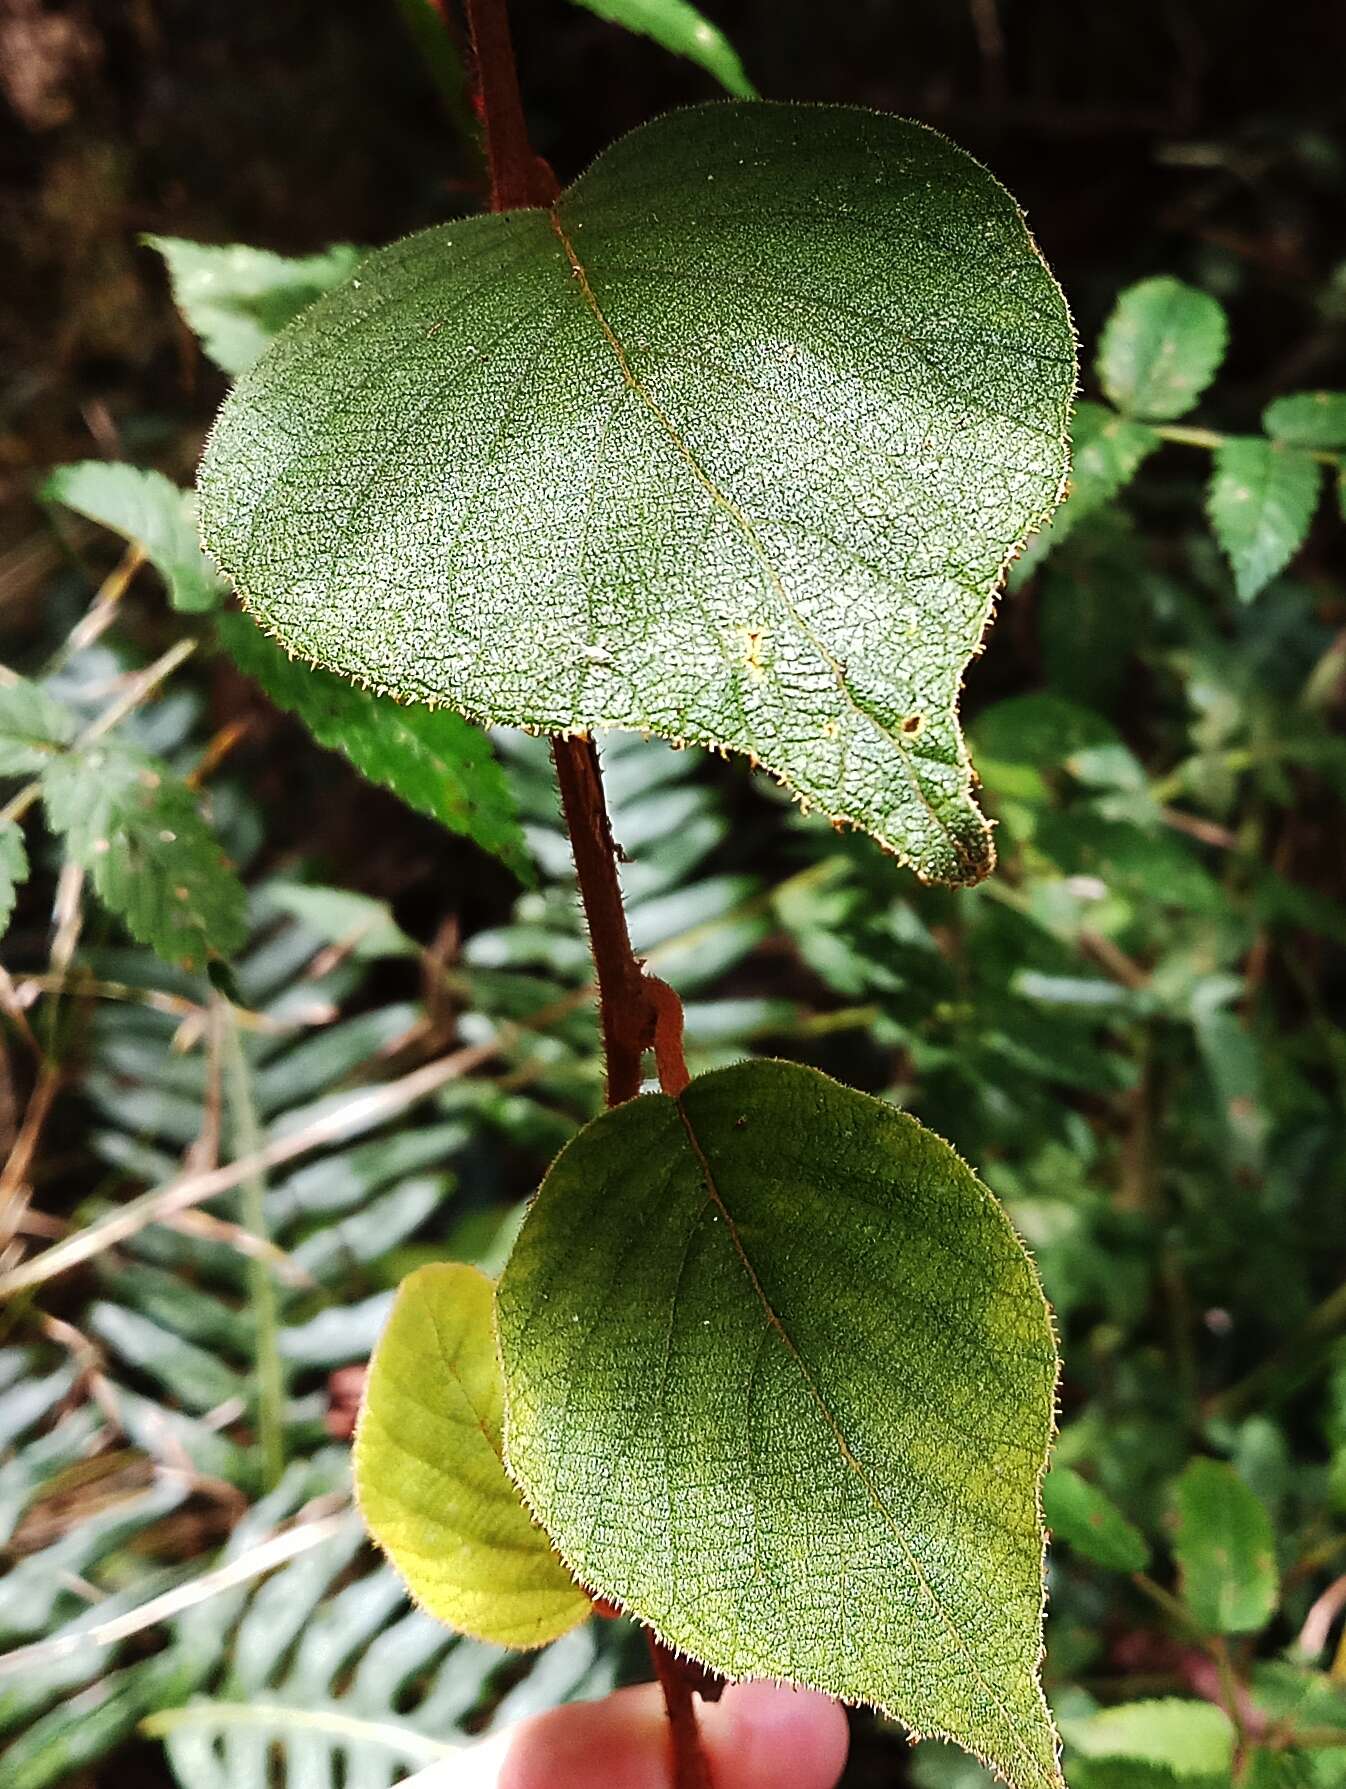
(690, 1769)
(635, 1013)
(623, 1000)
(518, 177)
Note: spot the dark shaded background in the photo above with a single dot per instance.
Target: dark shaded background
(1206, 140)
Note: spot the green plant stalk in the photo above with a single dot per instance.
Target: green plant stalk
(246, 1140)
(1212, 439)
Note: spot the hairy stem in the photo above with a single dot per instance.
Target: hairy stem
(630, 1014)
(518, 177)
(623, 1000)
(690, 1770)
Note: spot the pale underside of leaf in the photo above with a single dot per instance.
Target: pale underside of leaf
(780, 1383)
(731, 446)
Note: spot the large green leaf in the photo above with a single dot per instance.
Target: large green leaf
(430, 1477)
(429, 757)
(779, 1380)
(152, 513)
(136, 829)
(731, 445)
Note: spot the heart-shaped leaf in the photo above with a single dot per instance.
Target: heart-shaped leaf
(730, 445)
(429, 1476)
(779, 1380)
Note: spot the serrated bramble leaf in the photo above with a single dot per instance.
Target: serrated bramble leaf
(1314, 419)
(683, 30)
(740, 468)
(430, 1478)
(1184, 1738)
(13, 868)
(1260, 501)
(34, 727)
(238, 299)
(779, 1381)
(151, 857)
(1086, 1519)
(1106, 452)
(431, 758)
(1225, 1550)
(152, 513)
(1160, 348)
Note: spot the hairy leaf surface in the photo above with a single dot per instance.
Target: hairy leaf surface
(429, 1473)
(432, 759)
(730, 445)
(779, 1380)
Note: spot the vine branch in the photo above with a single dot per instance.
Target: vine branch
(627, 1016)
(636, 1012)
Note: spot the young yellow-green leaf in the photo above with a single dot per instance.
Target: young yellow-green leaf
(13, 868)
(683, 30)
(150, 511)
(1082, 1516)
(730, 445)
(152, 859)
(34, 727)
(1260, 501)
(1314, 419)
(428, 1471)
(1186, 1739)
(1225, 1550)
(1160, 348)
(239, 299)
(779, 1381)
(432, 759)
